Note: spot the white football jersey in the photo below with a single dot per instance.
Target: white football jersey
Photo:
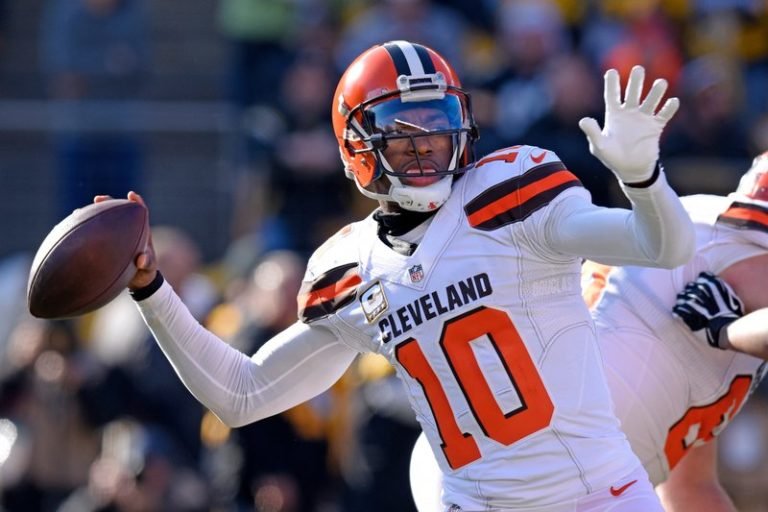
(486, 326)
(672, 391)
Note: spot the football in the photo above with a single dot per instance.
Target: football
(87, 259)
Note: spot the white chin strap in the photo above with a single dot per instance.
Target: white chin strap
(415, 199)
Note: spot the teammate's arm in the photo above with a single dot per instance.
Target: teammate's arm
(294, 366)
(657, 231)
(710, 305)
(693, 484)
(748, 334)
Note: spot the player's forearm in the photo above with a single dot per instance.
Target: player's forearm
(291, 368)
(748, 334)
(661, 226)
(657, 232)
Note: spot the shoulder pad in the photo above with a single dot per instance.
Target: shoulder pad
(332, 277)
(516, 182)
(745, 216)
(749, 218)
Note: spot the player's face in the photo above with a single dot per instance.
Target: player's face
(420, 155)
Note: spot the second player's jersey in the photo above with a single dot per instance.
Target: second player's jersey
(673, 391)
(486, 327)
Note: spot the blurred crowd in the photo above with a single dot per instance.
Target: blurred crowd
(92, 416)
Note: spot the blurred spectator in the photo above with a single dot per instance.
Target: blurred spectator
(758, 136)
(116, 332)
(14, 272)
(743, 456)
(140, 383)
(558, 129)
(735, 30)
(709, 123)
(420, 21)
(259, 34)
(623, 34)
(286, 463)
(708, 143)
(304, 199)
(382, 432)
(136, 472)
(95, 55)
(479, 14)
(259, 37)
(310, 188)
(42, 397)
(281, 79)
(3, 26)
(529, 35)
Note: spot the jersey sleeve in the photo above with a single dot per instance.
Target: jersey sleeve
(749, 218)
(656, 232)
(510, 185)
(529, 191)
(294, 366)
(332, 277)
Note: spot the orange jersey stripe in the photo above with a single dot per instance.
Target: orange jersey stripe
(508, 157)
(520, 196)
(749, 215)
(329, 292)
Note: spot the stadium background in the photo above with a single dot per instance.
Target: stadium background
(218, 113)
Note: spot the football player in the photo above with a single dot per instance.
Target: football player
(466, 278)
(677, 384)
(673, 390)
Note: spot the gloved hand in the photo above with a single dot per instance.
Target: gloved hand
(629, 142)
(708, 303)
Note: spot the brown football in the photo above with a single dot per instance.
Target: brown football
(87, 259)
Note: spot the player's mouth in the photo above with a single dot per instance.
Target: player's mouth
(422, 177)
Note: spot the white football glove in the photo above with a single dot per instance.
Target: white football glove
(708, 303)
(628, 144)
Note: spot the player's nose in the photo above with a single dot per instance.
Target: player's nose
(421, 145)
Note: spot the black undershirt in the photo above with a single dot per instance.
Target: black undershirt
(393, 225)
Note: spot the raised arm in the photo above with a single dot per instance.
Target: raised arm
(657, 231)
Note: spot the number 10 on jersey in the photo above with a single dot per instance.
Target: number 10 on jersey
(536, 409)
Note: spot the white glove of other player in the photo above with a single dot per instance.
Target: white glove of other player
(708, 303)
(628, 144)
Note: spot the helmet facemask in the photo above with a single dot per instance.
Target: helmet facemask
(404, 120)
(380, 89)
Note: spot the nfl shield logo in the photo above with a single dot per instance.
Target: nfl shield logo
(417, 273)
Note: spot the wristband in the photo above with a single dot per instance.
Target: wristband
(716, 326)
(650, 181)
(146, 292)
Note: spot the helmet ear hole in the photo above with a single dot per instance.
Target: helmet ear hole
(378, 141)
